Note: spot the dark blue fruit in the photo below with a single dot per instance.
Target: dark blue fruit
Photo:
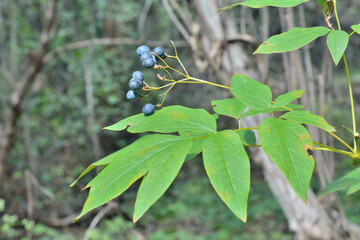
(145, 56)
(131, 95)
(148, 63)
(138, 75)
(159, 51)
(142, 49)
(148, 109)
(134, 84)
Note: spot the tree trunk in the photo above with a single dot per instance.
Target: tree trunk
(312, 221)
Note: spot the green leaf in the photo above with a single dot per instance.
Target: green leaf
(253, 94)
(168, 120)
(337, 42)
(305, 117)
(350, 181)
(356, 28)
(161, 174)
(102, 162)
(286, 98)
(253, 112)
(228, 168)
(291, 40)
(133, 162)
(247, 137)
(264, 3)
(196, 149)
(231, 107)
(287, 143)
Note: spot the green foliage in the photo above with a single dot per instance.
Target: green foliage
(231, 107)
(291, 40)
(337, 42)
(149, 154)
(286, 98)
(173, 119)
(305, 117)
(253, 94)
(350, 181)
(356, 28)
(158, 158)
(287, 143)
(228, 167)
(264, 3)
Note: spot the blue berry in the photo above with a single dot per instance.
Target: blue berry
(138, 75)
(142, 49)
(134, 84)
(131, 95)
(159, 51)
(148, 63)
(145, 56)
(148, 109)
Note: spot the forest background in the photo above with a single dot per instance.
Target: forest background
(64, 70)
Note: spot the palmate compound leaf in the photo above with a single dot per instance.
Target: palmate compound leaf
(305, 117)
(286, 98)
(160, 156)
(231, 107)
(337, 42)
(169, 119)
(291, 40)
(287, 143)
(228, 168)
(264, 3)
(350, 181)
(253, 94)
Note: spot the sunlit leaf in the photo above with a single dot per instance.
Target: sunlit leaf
(349, 181)
(291, 40)
(253, 94)
(264, 3)
(161, 174)
(169, 119)
(305, 117)
(287, 143)
(337, 42)
(227, 165)
(133, 162)
(356, 28)
(253, 112)
(231, 107)
(286, 98)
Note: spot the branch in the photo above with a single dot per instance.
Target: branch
(21, 88)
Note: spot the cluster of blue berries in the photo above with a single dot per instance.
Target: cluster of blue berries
(148, 59)
(135, 83)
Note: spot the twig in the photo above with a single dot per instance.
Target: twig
(98, 217)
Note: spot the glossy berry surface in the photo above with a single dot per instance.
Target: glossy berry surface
(148, 109)
(159, 51)
(148, 63)
(142, 49)
(134, 84)
(138, 75)
(131, 95)
(145, 56)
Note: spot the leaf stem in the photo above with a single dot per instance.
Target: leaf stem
(336, 15)
(351, 101)
(342, 141)
(327, 148)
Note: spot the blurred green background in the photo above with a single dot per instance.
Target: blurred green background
(59, 131)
